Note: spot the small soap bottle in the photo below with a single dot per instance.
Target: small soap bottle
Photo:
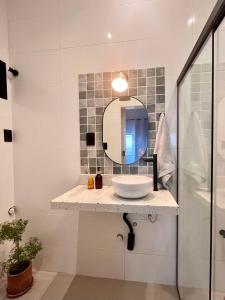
(90, 181)
(98, 180)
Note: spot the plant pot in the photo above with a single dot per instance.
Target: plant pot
(20, 283)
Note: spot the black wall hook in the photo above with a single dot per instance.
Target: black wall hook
(13, 71)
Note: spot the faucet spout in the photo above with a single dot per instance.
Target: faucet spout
(153, 159)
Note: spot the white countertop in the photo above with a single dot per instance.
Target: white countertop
(105, 200)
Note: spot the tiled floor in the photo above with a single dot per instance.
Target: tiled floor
(88, 288)
(52, 286)
(42, 280)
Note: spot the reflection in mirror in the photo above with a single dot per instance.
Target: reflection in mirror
(125, 130)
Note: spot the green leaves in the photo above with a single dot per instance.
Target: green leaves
(13, 231)
(31, 248)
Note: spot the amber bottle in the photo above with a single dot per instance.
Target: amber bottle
(98, 180)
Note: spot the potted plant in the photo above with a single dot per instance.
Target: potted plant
(18, 266)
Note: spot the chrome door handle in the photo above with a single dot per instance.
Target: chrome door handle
(12, 211)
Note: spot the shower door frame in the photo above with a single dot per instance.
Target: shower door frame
(216, 17)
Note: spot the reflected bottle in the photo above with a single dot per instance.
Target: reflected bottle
(98, 180)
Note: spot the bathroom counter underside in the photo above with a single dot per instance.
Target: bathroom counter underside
(105, 200)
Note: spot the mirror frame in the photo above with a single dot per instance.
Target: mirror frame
(103, 129)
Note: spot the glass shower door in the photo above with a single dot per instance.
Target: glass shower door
(219, 162)
(194, 177)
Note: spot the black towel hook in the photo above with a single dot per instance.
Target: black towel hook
(13, 71)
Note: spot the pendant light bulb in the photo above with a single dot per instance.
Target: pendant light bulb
(120, 83)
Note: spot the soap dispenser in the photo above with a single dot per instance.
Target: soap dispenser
(98, 180)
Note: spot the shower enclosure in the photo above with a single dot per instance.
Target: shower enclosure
(201, 166)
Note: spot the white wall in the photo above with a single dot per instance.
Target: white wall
(6, 155)
(51, 42)
(45, 121)
(6, 150)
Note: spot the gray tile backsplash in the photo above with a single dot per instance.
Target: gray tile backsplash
(95, 93)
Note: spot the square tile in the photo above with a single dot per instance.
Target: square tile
(91, 120)
(83, 128)
(90, 94)
(82, 78)
(83, 112)
(92, 162)
(83, 153)
(93, 170)
(90, 103)
(99, 111)
(117, 170)
(107, 76)
(142, 91)
(151, 81)
(151, 90)
(107, 93)
(83, 120)
(133, 91)
(151, 72)
(160, 80)
(160, 98)
(141, 81)
(160, 71)
(133, 73)
(90, 86)
(82, 95)
(98, 76)
(160, 89)
(91, 111)
(98, 85)
(134, 170)
(99, 94)
(91, 128)
(83, 87)
(142, 73)
(133, 82)
(90, 77)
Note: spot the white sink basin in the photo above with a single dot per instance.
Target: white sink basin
(132, 186)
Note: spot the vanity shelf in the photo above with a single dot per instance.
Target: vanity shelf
(105, 200)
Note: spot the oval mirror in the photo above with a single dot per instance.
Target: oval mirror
(125, 130)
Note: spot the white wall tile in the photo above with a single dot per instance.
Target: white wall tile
(150, 268)
(100, 263)
(57, 259)
(34, 34)
(55, 229)
(37, 67)
(31, 8)
(3, 31)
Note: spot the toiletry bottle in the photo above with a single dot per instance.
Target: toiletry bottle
(98, 180)
(90, 181)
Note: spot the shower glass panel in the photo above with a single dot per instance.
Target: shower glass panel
(219, 162)
(194, 177)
